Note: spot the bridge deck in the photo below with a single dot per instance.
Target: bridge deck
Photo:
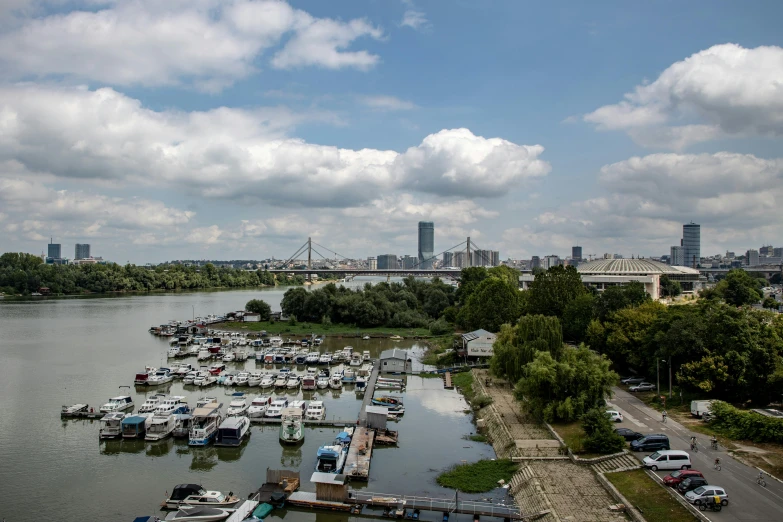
(469, 507)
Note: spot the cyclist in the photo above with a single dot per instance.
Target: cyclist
(760, 480)
(693, 443)
(717, 463)
(714, 442)
(663, 413)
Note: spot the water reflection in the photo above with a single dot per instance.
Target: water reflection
(232, 454)
(159, 448)
(204, 458)
(117, 446)
(291, 456)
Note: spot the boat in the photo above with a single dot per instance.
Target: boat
(217, 369)
(391, 402)
(254, 379)
(190, 377)
(258, 406)
(180, 493)
(211, 499)
(229, 357)
(206, 401)
(203, 355)
(302, 405)
(226, 378)
(238, 406)
(161, 376)
(361, 384)
(324, 372)
(205, 379)
(293, 382)
(317, 341)
(366, 338)
(301, 357)
(312, 358)
(141, 377)
(336, 381)
(174, 351)
(182, 370)
(385, 385)
(396, 338)
(281, 381)
(204, 425)
(326, 358)
(134, 427)
(365, 355)
(199, 513)
(309, 382)
(267, 381)
(161, 427)
(321, 383)
(395, 414)
(121, 403)
(172, 406)
(269, 358)
(331, 458)
(278, 358)
(182, 425)
(315, 411)
(111, 425)
(291, 430)
(356, 359)
(74, 409)
(349, 376)
(232, 431)
(151, 403)
(275, 410)
(242, 379)
(276, 341)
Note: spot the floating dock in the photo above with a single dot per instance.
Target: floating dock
(447, 381)
(338, 423)
(369, 392)
(357, 464)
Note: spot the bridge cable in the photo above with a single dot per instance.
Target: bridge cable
(435, 256)
(330, 250)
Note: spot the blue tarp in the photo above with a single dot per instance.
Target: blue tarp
(134, 420)
(263, 510)
(343, 437)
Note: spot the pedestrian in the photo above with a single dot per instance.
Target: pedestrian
(664, 415)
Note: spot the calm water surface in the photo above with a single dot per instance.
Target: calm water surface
(66, 351)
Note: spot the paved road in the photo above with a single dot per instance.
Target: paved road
(747, 500)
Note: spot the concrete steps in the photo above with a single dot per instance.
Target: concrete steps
(619, 463)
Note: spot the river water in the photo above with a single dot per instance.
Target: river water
(81, 350)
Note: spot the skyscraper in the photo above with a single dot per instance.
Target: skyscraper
(677, 256)
(448, 259)
(409, 262)
(535, 262)
(576, 253)
(426, 244)
(82, 251)
(752, 257)
(372, 263)
(691, 243)
(387, 262)
(54, 250)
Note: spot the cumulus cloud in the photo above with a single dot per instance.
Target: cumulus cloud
(724, 91)
(387, 103)
(76, 133)
(413, 17)
(207, 43)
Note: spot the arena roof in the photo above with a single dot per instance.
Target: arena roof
(639, 266)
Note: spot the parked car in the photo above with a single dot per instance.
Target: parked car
(645, 386)
(691, 483)
(667, 459)
(705, 494)
(652, 442)
(628, 434)
(675, 477)
(632, 380)
(616, 416)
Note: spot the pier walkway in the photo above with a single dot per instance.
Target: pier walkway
(357, 463)
(450, 505)
(369, 392)
(338, 423)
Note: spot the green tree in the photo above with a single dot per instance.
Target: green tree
(770, 302)
(293, 302)
(627, 331)
(551, 291)
(260, 307)
(469, 280)
(738, 288)
(493, 303)
(576, 318)
(517, 345)
(601, 437)
(668, 287)
(616, 298)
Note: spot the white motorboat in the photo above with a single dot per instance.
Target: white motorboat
(349, 376)
(161, 427)
(356, 359)
(281, 381)
(199, 514)
(226, 378)
(232, 431)
(229, 357)
(361, 384)
(161, 376)
(366, 355)
(151, 403)
(309, 382)
(267, 381)
(111, 425)
(204, 425)
(254, 379)
(299, 405)
(242, 379)
(322, 382)
(366, 338)
(203, 355)
(275, 410)
(237, 406)
(182, 370)
(315, 410)
(204, 379)
(172, 405)
(121, 403)
(276, 341)
(258, 406)
(173, 352)
(206, 401)
(325, 358)
(212, 499)
(141, 377)
(293, 382)
(240, 356)
(336, 381)
(190, 377)
(312, 358)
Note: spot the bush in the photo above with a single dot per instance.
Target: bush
(292, 321)
(260, 307)
(601, 437)
(481, 401)
(741, 424)
(478, 477)
(440, 327)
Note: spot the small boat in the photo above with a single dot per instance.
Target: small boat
(391, 402)
(172, 406)
(336, 381)
(281, 381)
(331, 458)
(161, 376)
(232, 431)
(356, 359)
(301, 357)
(395, 414)
(291, 430)
(325, 359)
(182, 370)
(302, 405)
(365, 355)
(269, 358)
(226, 378)
(254, 378)
(315, 411)
(366, 338)
(309, 382)
(276, 341)
(321, 383)
(361, 384)
(293, 382)
(74, 409)
(229, 357)
(267, 381)
(182, 425)
(180, 493)
(122, 403)
(313, 358)
(203, 355)
(212, 499)
(173, 352)
(238, 406)
(203, 402)
(134, 427)
(161, 427)
(142, 377)
(217, 369)
(396, 338)
(111, 425)
(205, 379)
(151, 403)
(349, 376)
(242, 378)
(204, 425)
(199, 513)
(317, 341)
(258, 406)
(275, 409)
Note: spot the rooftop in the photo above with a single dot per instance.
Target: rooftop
(475, 334)
(394, 353)
(632, 267)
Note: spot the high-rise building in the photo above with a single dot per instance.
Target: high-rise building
(550, 261)
(576, 253)
(372, 263)
(691, 242)
(54, 250)
(460, 259)
(766, 250)
(677, 256)
(387, 262)
(535, 262)
(495, 258)
(448, 259)
(410, 262)
(752, 257)
(777, 252)
(426, 244)
(82, 251)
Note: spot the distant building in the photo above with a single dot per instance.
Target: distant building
(478, 343)
(372, 263)
(576, 253)
(448, 259)
(460, 259)
(677, 256)
(766, 250)
(396, 361)
(550, 261)
(387, 262)
(752, 257)
(54, 250)
(426, 244)
(82, 251)
(535, 262)
(777, 252)
(691, 242)
(410, 262)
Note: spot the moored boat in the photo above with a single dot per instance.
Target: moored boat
(259, 406)
(331, 458)
(315, 410)
(232, 431)
(161, 376)
(151, 403)
(161, 427)
(366, 355)
(111, 425)
(204, 425)
(134, 427)
(199, 514)
(254, 379)
(291, 430)
(322, 382)
(267, 381)
(275, 410)
(309, 382)
(237, 406)
(172, 405)
(182, 425)
(356, 359)
(349, 376)
(391, 402)
(212, 499)
(142, 377)
(121, 403)
(336, 381)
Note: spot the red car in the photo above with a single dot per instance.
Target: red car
(675, 477)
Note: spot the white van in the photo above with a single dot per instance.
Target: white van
(699, 408)
(668, 459)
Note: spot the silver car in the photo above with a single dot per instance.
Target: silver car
(644, 386)
(706, 495)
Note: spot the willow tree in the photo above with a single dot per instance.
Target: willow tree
(518, 345)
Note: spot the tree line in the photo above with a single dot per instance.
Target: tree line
(26, 273)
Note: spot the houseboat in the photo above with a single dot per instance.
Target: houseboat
(349, 376)
(315, 411)
(162, 426)
(232, 431)
(111, 425)
(291, 429)
(182, 426)
(309, 382)
(122, 403)
(134, 427)
(204, 425)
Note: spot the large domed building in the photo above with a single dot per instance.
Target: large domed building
(603, 273)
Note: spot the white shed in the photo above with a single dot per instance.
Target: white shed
(478, 343)
(251, 317)
(377, 417)
(395, 361)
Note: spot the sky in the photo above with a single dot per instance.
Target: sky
(236, 129)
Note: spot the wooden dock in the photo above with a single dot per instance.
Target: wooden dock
(450, 505)
(338, 423)
(447, 381)
(368, 393)
(307, 499)
(357, 463)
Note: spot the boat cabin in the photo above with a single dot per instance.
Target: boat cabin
(232, 431)
(183, 491)
(117, 404)
(110, 425)
(134, 427)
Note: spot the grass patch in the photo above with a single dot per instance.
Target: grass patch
(476, 437)
(331, 330)
(464, 381)
(478, 477)
(649, 497)
(436, 351)
(427, 375)
(572, 434)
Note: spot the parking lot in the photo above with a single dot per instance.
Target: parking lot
(747, 500)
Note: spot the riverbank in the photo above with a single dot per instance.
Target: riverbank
(332, 330)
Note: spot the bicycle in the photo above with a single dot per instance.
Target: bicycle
(760, 480)
(663, 415)
(717, 465)
(714, 445)
(694, 447)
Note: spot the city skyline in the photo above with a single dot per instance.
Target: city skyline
(540, 128)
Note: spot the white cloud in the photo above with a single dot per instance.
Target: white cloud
(208, 43)
(414, 19)
(387, 103)
(726, 90)
(240, 154)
